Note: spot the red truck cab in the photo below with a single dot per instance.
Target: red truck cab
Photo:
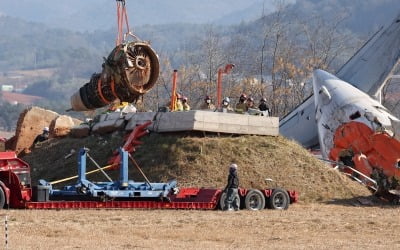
(15, 181)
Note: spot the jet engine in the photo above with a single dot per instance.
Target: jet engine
(129, 71)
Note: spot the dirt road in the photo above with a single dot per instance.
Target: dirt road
(303, 226)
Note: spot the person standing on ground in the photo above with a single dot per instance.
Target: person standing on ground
(231, 202)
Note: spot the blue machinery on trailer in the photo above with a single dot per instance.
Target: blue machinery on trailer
(122, 188)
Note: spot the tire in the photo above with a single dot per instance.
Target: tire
(254, 200)
(279, 199)
(223, 198)
(2, 198)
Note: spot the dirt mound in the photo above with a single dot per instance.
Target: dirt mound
(203, 162)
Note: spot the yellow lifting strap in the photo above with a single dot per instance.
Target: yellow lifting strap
(76, 176)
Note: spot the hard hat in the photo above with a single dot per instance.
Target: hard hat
(184, 98)
(250, 99)
(46, 129)
(233, 166)
(263, 100)
(243, 96)
(226, 99)
(178, 96)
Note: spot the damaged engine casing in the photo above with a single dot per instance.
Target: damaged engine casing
(130, 71)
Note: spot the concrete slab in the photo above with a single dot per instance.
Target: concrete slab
(108, 126)
(62, 125)
(140, 118)
(207, 121)
(80, 131)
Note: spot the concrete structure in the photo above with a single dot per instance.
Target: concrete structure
(62, 125)
(197, 120)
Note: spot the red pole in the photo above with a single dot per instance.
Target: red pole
(226, 70)
(173, 94)
(219, 88)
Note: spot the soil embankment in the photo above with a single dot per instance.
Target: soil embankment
(203, 162)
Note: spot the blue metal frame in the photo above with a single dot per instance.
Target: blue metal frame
(123, 188)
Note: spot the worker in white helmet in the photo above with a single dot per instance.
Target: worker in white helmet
(43, 136)
(231, 189)
(225, 106)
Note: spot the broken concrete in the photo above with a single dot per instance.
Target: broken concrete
(62, 125)
(206, 121)
(80, 131)
(142, 117)
(195, 120)
(108, 126)
(30, 124)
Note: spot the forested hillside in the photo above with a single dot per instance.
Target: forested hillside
(33, 46)
(274, 54)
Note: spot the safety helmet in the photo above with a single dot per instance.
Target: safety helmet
(233, 166)
(46, 129)
(178, 96)
(250, 99)
(243, 97)
(226, 99)
(184, 98)
(263, 100)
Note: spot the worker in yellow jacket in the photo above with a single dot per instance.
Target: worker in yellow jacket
(185, 105)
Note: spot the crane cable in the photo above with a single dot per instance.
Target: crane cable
(121, 17)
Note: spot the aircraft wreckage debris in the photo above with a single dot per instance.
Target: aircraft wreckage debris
(130, 71)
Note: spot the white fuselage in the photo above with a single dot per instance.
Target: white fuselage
(368, 70)
(338, 102)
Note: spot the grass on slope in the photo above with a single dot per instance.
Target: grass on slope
(203, 162)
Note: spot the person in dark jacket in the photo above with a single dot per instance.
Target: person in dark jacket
(42, 137)
(264, 107)
(231, 188)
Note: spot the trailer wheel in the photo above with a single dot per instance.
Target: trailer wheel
(2, 198)
(254, 200)
(279, 199)
(223, 198)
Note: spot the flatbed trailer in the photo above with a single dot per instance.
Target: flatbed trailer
(187, 198)
(16, 190)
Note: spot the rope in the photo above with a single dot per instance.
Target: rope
(121, 17)
(75, 176)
